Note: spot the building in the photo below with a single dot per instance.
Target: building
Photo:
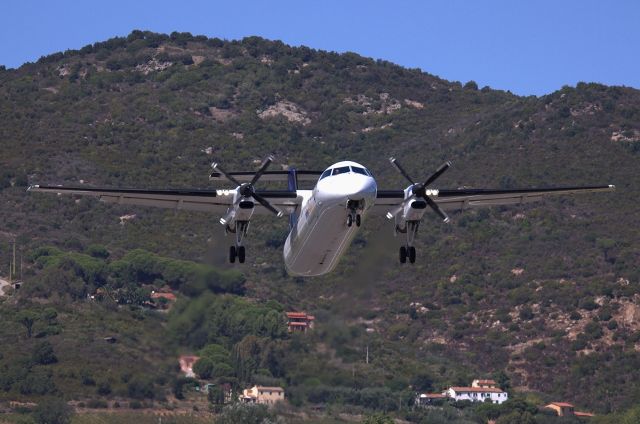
(299, 321)
(478, 394)
(170, 297)
(565, 409)
(263, 395)
(429, 398)
(186, 364)
(486, 384)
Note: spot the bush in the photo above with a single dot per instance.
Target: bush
(43, 354)
(52, 411)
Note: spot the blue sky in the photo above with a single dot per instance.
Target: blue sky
(527, 47)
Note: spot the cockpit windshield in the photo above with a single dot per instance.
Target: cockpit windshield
(325, 174)
(340, 170)
(359, 170)
(345, 170)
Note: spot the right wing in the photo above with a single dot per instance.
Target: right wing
(216, 201)
(461, 199)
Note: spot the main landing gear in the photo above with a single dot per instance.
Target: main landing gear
(409, 251)
(238, 251)
(354, 208)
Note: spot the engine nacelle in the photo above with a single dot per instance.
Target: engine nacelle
(242, 210)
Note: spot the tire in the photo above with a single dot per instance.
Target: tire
(349, 220)
(241, 254)
(403, 254)
(358, 220)
(412, 254)
(232, 254)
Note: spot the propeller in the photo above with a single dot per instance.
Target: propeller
(248, 189)
(420, 189)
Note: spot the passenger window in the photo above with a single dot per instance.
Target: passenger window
(325, 174)
(341, 170)
(358, 170)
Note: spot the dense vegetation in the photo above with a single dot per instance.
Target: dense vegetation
(542, 297)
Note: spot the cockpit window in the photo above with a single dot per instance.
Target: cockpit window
(340, 170)
(325, 174)
(359, 170)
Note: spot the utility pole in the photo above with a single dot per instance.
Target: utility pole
(14, 257)
(367, 360)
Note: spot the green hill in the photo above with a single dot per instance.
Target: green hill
(543, 296)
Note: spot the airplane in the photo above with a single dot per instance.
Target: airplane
(324, 220)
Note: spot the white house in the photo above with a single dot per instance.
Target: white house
(478, 394)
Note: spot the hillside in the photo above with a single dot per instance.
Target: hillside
(545, 297)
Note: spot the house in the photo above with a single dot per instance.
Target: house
(186, 364)
(262, 394)
(487, 384)
(429, 398)
(170, 297)
(478, 394)
(565, 409)
(299, 321)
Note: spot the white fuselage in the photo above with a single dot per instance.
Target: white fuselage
(320, 234)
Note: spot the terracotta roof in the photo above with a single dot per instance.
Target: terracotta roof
(486, 382)
(301, 324)
(583, 414)
(477, 389)
(168, 296)
(562, 404)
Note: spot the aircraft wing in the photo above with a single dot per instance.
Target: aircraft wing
(179, 199)
(460, 199)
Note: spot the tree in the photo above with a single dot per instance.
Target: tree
(203, 368)
(43, 354)
(244, 413)
(378, 419)
(27, 318)
(52, 411)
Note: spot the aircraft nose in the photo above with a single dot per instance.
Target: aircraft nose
(361, 187)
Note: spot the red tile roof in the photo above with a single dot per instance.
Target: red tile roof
(486, 382)
(168, 296)
(583, 414)
(562, 404)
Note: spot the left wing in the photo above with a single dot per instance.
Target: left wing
(460, 199)
(181, 199)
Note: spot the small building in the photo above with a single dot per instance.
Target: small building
(299, 321)
(264, 395)
(169, 297)
(429, 398)
(478, 394)
(486, 384)
(186, 364)
(565, 409)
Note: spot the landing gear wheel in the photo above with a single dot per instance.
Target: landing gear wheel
(358, 220)
(349, 220)
(403, 254)
(232, 254)
(241, 254)
(412, 254)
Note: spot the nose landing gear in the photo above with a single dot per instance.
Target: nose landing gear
(238, 251)
(354, 207)
(409, 251)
